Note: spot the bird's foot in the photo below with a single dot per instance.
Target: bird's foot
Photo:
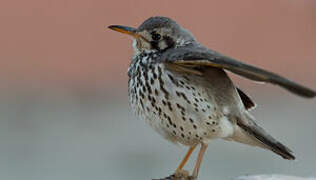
(179, 175)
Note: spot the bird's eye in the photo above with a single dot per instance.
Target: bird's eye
(155, 36)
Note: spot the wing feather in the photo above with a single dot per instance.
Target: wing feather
(198, 55)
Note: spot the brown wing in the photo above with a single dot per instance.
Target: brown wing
(201, 56)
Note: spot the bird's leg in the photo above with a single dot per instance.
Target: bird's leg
(186, 158)
(199, 160)
(179, 171)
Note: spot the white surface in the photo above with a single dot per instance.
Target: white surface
(273, 177)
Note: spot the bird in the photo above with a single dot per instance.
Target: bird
(182, 90)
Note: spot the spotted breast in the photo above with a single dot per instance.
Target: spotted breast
(178, 102)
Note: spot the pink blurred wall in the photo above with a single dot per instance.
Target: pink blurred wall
(65, 42)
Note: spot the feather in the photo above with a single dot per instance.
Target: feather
(196, 54)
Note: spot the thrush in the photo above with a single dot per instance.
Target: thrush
(180, 88)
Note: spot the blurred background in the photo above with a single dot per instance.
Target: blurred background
(63, 87)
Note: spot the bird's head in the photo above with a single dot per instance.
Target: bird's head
(157, 34)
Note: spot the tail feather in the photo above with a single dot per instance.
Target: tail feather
(265, 140)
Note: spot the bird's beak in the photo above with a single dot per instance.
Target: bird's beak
(126, 30)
